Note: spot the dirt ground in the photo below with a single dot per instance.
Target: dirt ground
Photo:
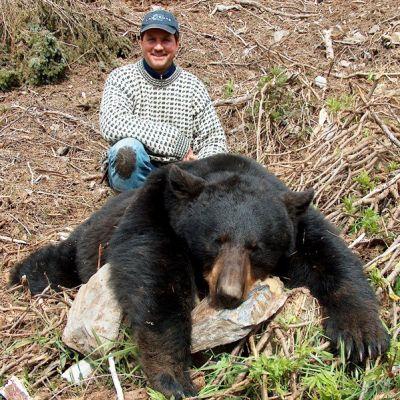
(51, 148)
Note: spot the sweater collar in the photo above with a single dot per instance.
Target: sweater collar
(164, 82)
(154, 74)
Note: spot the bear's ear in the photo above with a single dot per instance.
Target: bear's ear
(183, 184)
(297, 203)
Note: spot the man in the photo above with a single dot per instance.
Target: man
(153, 112)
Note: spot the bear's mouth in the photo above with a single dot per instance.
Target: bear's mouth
(230, 277)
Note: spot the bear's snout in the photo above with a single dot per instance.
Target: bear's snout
(230, 277)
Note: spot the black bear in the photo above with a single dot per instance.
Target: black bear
(216, 224)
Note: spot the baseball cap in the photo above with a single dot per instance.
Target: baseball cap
(160, 19)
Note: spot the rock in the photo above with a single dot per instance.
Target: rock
(77, 373)
(344, 63)
(95, 316)
(212, 328)
(279, 35)
(374, 29)
(354, 37)
(391, 40)
(62, 151)
(321, 82)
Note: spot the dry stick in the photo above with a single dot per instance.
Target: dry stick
(394, 218)
(358, 240)
(260, 113)
(365, 75)
(332, 177)
(385, 129)
(234, 101)
(385, 254)
(379, 189)
(234, 352)
(130, 22)
(271, 11)
(328, 43)
(15, 363)
(237, 36)
(265, 337)
(327, 206)
(29, 308)
(390, 279)
(117, 383)
(51, 370)
(53, 112)
(253, 346)
(24, 226)
(11, 240)
(394, 273)
(293, 375)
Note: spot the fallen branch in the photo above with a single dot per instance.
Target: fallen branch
(385, 255)
(365, 74)
(11, 240)
(385, 129)
(117, 384)
(328, 43)
(234, 101)
(377, 190)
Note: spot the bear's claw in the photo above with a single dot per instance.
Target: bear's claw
(170, 386)
(359, 340)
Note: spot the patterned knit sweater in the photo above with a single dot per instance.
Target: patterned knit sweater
(168, 116)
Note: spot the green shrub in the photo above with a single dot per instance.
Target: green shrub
(8, 79)
(46, 62)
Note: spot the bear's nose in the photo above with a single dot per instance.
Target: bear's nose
(229, 295)
(228, 300)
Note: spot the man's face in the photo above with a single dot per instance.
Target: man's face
(159, 48)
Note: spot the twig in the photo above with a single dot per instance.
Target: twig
(358, 240)
(365, 75)
(92, 177)
(385, 129)
(328, 43)
(377, 190)
(17, 220)
(117, 384)
(11, 240)
(234, 101)
(385, 254)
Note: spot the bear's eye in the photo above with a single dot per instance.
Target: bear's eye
(222, 239)
(252, 246)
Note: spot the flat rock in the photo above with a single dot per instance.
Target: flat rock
(213, 327)
(95, 316)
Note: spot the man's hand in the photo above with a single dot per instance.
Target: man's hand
(189, 156)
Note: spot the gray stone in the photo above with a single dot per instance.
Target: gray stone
(95, 316)
(213, 327)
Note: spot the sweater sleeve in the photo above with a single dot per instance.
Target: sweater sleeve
(118, 121)
(209, 137)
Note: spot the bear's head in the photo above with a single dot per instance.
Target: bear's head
(237, 225)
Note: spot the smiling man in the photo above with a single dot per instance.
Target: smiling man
(153, 112)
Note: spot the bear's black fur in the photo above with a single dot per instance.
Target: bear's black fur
(216, 224)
